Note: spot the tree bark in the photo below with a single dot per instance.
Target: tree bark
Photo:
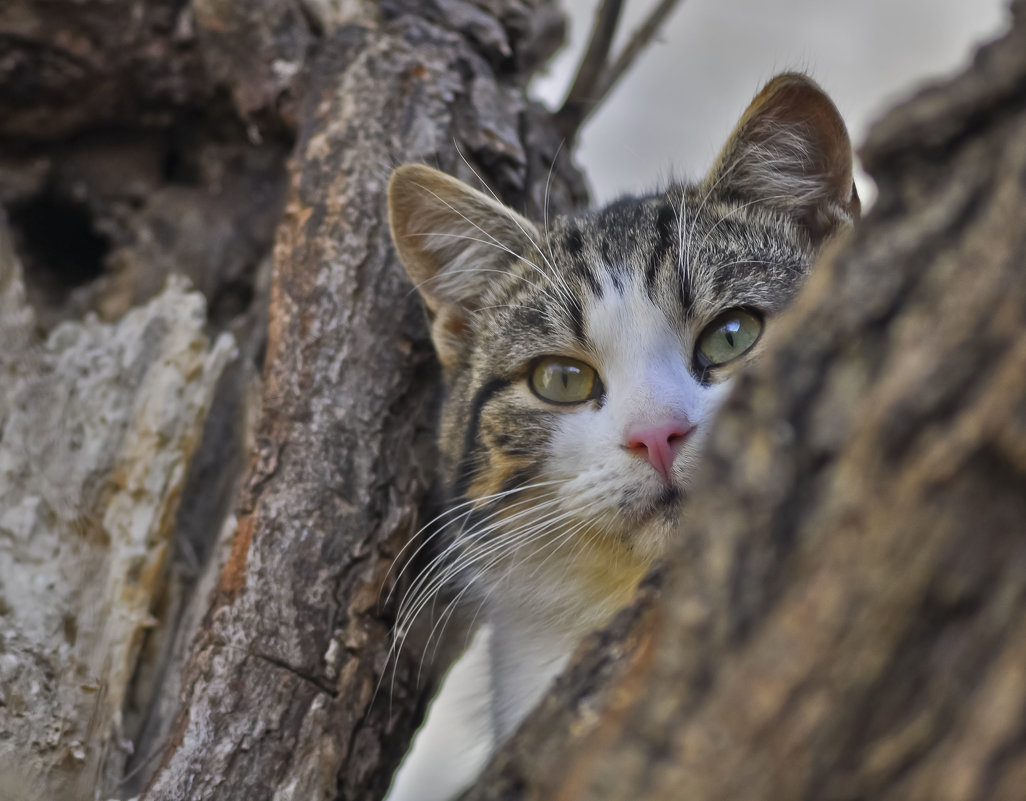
(844, 616)
(291, 689)
(98, 424)
(145, 139)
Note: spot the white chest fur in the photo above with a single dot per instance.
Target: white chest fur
(524, 660)
(507, 668)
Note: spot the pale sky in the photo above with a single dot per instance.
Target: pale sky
(671, 113)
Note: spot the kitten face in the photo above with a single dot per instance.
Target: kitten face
(627, 291)
(585, 361)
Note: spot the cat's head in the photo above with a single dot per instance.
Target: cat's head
(585, 358)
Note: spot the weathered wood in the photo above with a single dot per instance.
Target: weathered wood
(70, 68)
(845, 615)
(282, 692)
(130, 152)
(97, 427)
(843, 618)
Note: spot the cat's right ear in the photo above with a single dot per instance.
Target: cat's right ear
(452, 240)
(791, 151)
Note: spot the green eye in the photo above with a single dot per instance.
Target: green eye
(729, 336)
(560, 379)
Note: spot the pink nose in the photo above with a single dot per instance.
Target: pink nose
(659, 443)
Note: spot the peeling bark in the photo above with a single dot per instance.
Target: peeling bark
(844, 615)
(97, 427)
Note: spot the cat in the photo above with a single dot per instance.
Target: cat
(584, 360)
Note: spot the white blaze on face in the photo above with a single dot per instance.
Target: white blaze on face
(643, 363)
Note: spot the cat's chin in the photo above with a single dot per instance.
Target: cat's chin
(661, 504)
(651, 522)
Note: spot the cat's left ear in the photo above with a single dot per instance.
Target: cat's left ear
(791, 150)
(453, 241)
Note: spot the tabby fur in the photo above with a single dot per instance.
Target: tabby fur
(553, 519)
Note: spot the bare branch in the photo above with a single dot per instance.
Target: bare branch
(638, 41)
(576, 107)
(595, 79)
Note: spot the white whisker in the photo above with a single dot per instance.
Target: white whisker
(554, 274)
(472, 504)
(441, 572)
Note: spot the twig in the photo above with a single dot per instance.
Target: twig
(594, 62)
(580, 104)
(638, 41)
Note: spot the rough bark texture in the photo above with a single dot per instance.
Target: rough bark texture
(142, 139)
(98, 425)
(282, 686)
(845, 616)
(125, 159)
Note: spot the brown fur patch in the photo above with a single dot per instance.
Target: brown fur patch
(490, 481)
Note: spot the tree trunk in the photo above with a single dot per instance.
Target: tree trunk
(292, 690)
(845, 614)
(289, 689)
(98, 424)
(842, 619)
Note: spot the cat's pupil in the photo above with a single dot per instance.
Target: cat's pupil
(728, 337)
(730, 328)
(561, 379)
